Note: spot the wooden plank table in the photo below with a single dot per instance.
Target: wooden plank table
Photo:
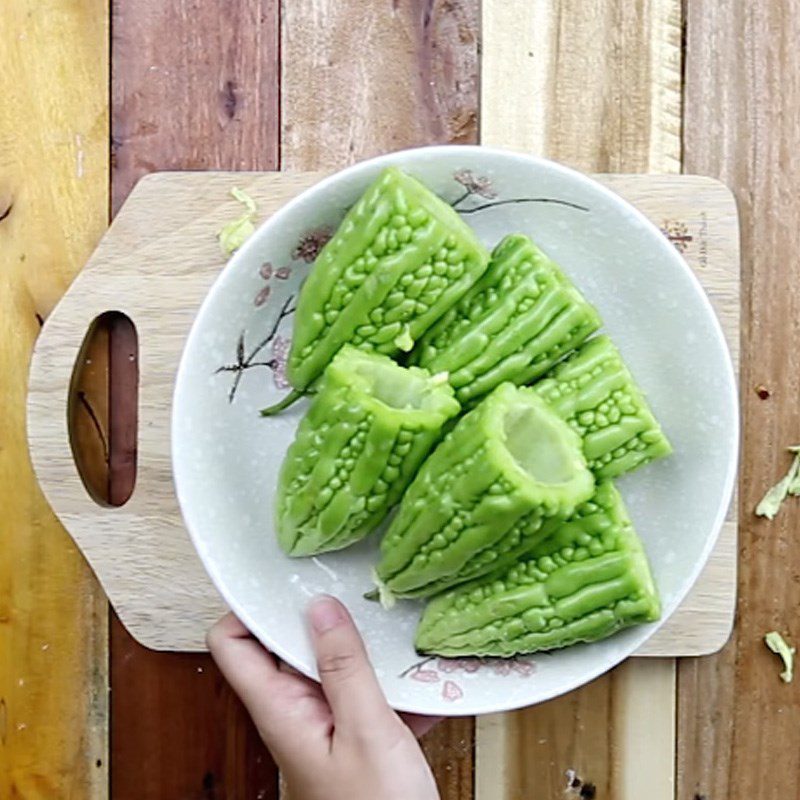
(611, 85)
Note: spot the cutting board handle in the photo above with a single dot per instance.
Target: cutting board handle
(55, 360)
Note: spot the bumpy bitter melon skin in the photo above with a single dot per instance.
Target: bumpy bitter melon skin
(590, 579)
(514, 324)
(596, 394)
(400, 258)
(366, 432)
(508, 461)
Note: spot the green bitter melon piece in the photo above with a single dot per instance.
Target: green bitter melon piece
(588, 580)
(507, 461)
(366, 432)
(514, 324)
(400, 258)
(597, 395)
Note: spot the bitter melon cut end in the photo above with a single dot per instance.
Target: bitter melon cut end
(380, 381)
(544, 449)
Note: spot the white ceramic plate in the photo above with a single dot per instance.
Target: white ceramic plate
(226, 458)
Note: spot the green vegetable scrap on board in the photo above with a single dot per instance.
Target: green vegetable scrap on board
(399, 260)
(368, 429)
(781, 647)
(507, 467)
(514, 324)
(789, 484)
(233, 235)
(597, 395)
(587, 581)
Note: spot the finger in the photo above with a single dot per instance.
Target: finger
(246, 665)
(419, 723)
(347, 677)
(253, 673)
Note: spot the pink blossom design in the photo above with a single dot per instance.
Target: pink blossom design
(248, 358)
(480, 186)
(452, 691)
(268, 272)
(475, 184)
(265, 271)
(523, 668)
(311, 243)
(280, 353)
(263, 296)
(425, 675)
(471, 664)
(501, 668)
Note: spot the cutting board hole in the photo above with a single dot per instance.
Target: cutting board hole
(103, 409)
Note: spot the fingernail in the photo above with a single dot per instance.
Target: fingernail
(325, 613)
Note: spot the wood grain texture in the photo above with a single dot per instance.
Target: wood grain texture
(596, 85)
(53, 201)
(194, 86)
(594, 736)
(737, 721)
(360, 79)
(88, 411)
(590, 83)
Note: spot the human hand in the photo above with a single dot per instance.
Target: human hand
(336, 740)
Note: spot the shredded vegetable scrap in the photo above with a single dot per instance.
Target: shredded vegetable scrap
(233, 235)
(789, 484)
(781, 647)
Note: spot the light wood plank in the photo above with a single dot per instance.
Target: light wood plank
(599, 735)
(53, 195)
(596, 85)
(737, 720)
(361, 79)
(593, 84)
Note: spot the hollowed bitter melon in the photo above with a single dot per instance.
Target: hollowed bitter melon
(516, 322)
(368, 429)
(506, 467)
(400, 258)
(596, 394)
(590, 579)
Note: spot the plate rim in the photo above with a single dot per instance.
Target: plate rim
(243, 255)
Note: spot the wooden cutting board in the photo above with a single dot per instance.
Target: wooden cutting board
(155, 264)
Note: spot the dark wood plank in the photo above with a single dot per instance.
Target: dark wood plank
(194, 86)
(123, 390)
(737, 721)
(365, 78)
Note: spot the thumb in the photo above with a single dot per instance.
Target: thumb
(347, 677)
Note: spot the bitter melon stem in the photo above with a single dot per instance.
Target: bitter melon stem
(283, 404)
